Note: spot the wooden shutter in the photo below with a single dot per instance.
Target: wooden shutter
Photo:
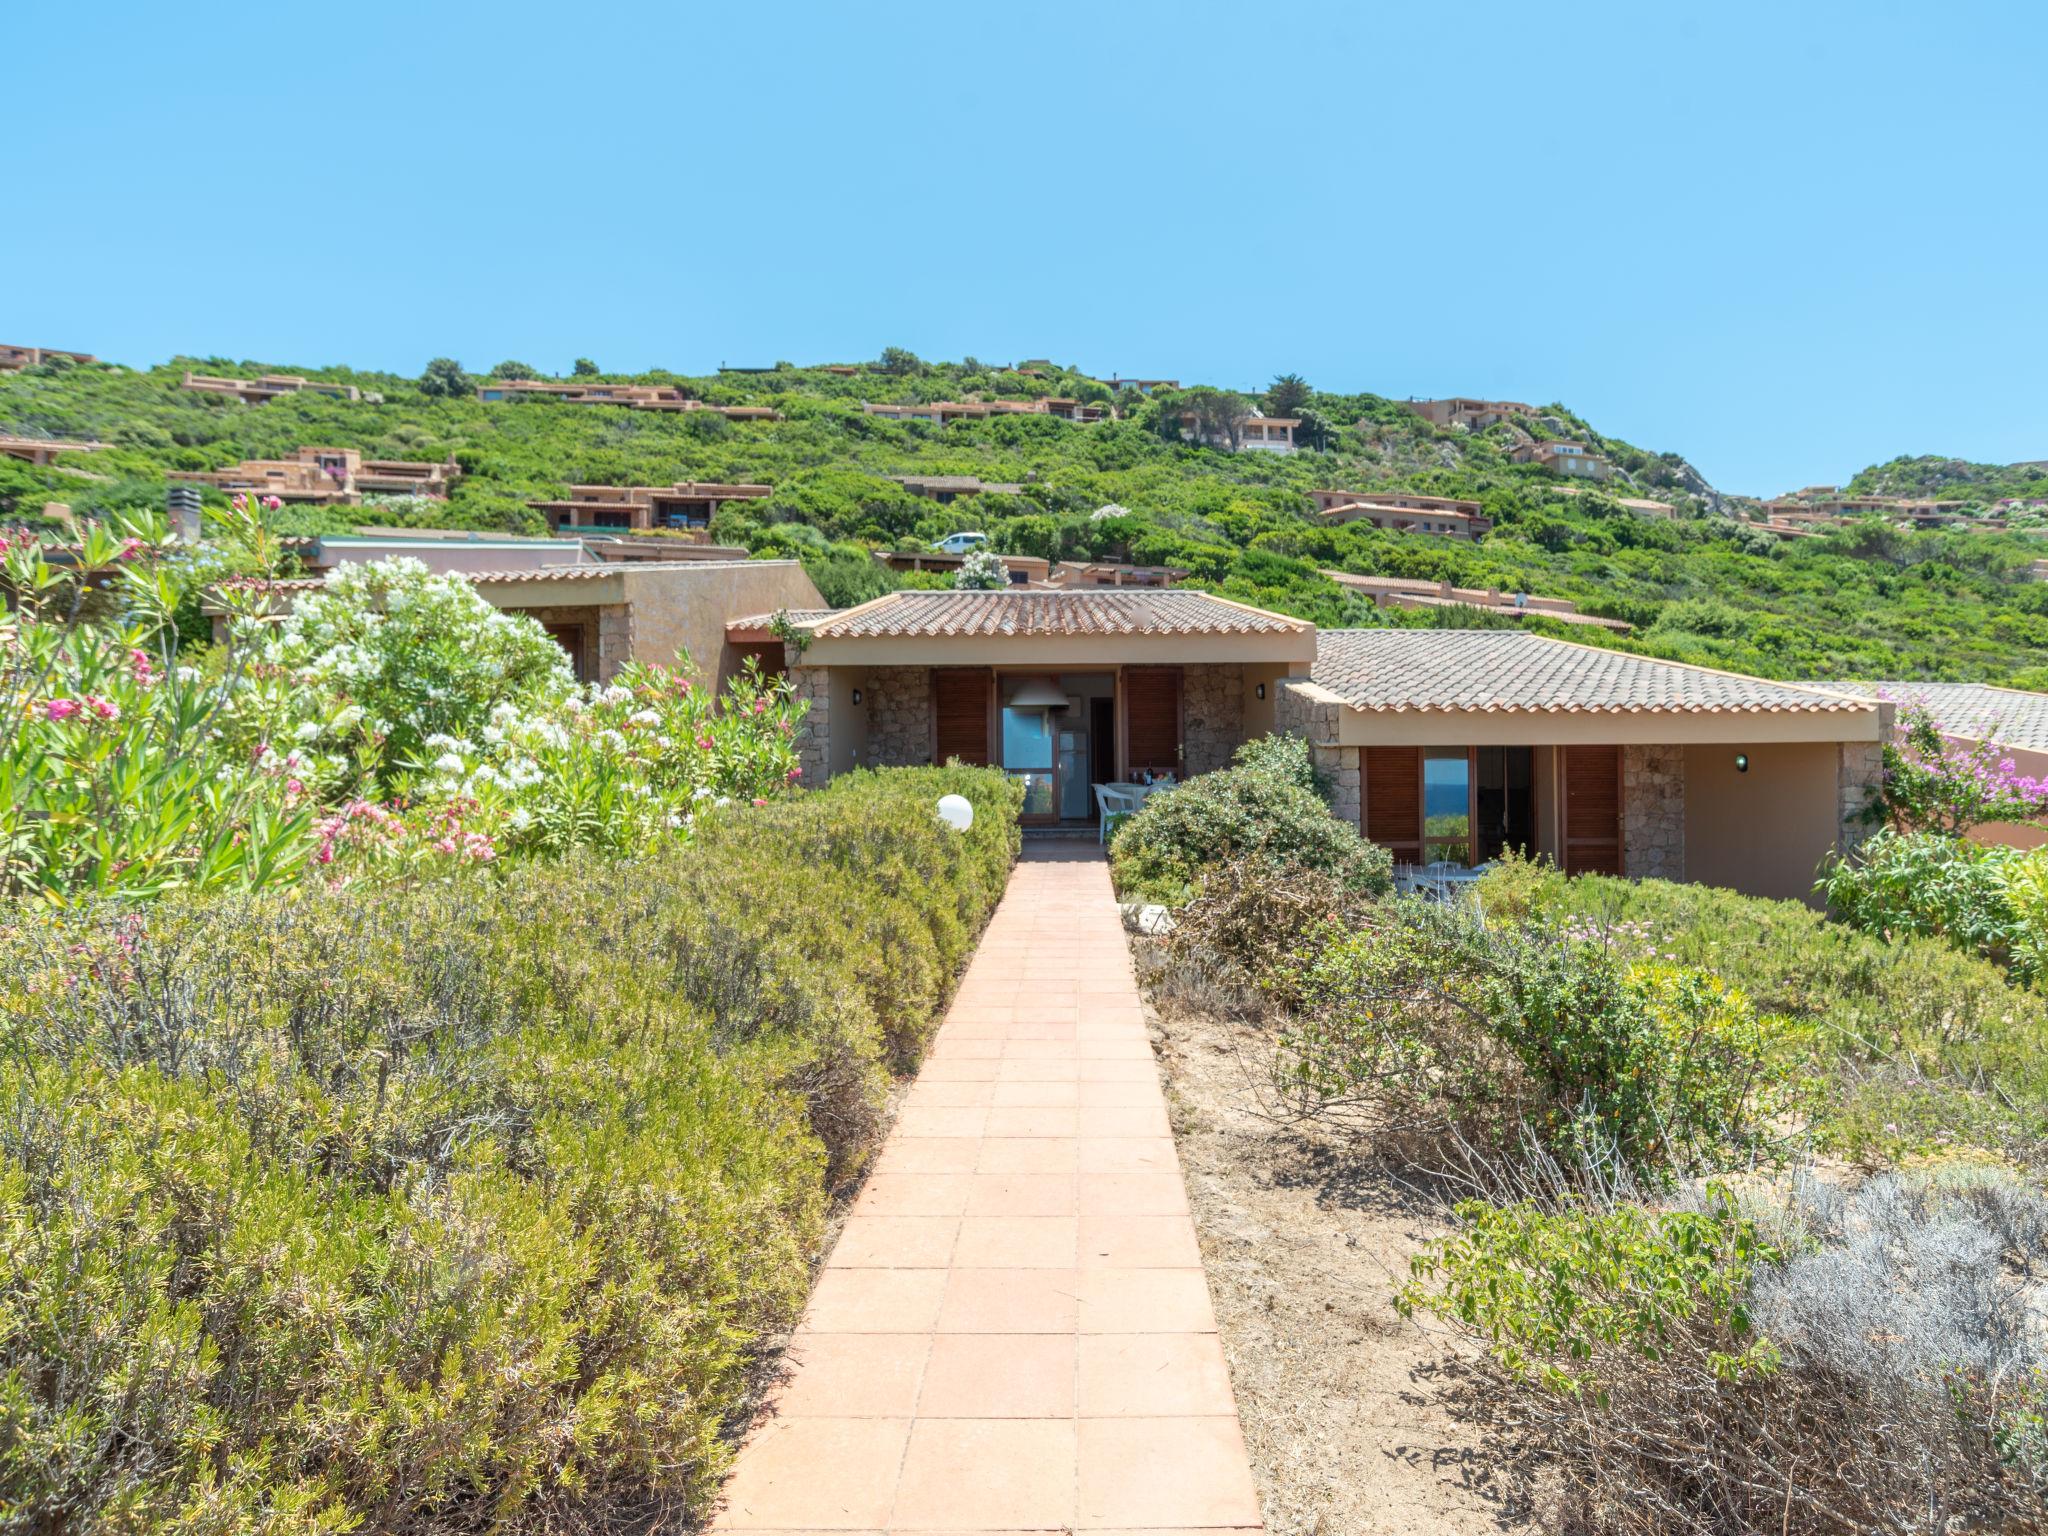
(1592, 810)
(1393, 800)
(960, 705)
(1152, 719)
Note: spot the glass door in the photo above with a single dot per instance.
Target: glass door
(1028, 756)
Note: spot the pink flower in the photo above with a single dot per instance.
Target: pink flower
(239, 501)
(271, 503)
(704, 743)
(105, 709)
(129, 549)
(759, 801)
(794, 774)
(760, 706)
(61, 709)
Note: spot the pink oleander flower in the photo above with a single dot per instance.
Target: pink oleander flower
(104, 709)
(760, 706)
(271, 503)
(704, 743)
(794, 774)
(759, 801)
(239, 501)
(61, 709)
(129, 549)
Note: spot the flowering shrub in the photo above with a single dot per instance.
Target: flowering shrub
(1932, 784)
(1992, 901)
(982, 571)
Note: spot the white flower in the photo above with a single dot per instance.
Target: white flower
(615, 694)
(309, 731)
(349, 718)
(644, 717)
(448, 762)
(700, 793)
(520, 819)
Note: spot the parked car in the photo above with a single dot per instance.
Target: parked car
(960, 543)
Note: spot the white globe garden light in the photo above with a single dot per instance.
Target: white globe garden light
(956, 811)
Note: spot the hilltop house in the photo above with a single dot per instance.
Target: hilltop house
(1404, 512)
(1412, 592)
(944, 412)
(13, 359)
(1076, 575)
(42, 450)
(947, 488)
(638, 397)
(1440, 744)
(1255, 434)
(328, 477)
(1574, 459)
(268, 386)
(1024, 570)
(684, 506)
(1470, 415)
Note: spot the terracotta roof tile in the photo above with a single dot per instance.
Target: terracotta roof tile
(1508, 671)
(1979, 711)
(1099, 611)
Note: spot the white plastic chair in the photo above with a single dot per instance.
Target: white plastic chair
(1111, 802)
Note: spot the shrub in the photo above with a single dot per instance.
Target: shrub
(432, 1207)
(1262, 807)
(1857, 1361)
(1980, 898)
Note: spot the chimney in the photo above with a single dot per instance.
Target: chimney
(182, 501)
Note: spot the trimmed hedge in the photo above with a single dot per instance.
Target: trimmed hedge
(444, 1207)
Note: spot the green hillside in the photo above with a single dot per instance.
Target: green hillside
(1953, 480)
(1865, 601)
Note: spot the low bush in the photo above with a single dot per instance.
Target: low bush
(1266, 807)
(1919, 1046)
(1933, 884)
(1835, 1362)
(447, 1205)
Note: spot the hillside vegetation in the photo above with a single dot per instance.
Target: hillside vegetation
(1865, 601)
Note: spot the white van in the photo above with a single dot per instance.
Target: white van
(960, 543)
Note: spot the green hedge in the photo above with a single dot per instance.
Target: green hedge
(441, 1207)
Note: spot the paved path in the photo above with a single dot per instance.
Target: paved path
(1014, 1332)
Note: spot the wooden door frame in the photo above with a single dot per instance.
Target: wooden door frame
(991, 742)
(1180, 717)
(1564, 790)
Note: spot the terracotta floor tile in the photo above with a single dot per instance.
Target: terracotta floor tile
(1114, 1050)
(1133, 1194)
(914, 1194)
(1152, 1375)
(1137, 1242)
(1127, 1154)
(1181, 1471)
(1028, 1154)
(1016, 1242)
(1040, 1094)
(875, 1301)
(1011, 1301)
(1106, 1122)
(894, 1242)
(1061, 1070)
(1041, 1050)
(929, 1154)
(823, 1474)
(1144, 1301)
(1001, 1376)
(1047, 1120)
(941, 1122)
(852, 1375)
(936, 1093)
(1023, 1194)
(1135, 1093)
(958, 1069)
(956, 1048)
(1095, 1070)
(990, 1475)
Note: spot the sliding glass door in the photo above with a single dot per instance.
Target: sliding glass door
(1028, 747)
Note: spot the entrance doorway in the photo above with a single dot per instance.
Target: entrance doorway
(1055, 733)
(1503, 800)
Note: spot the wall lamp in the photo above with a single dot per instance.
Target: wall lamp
(856, 695)
(1261, 690)
(1742, 762)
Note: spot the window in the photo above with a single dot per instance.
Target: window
(1027, 756)
(1447, 806)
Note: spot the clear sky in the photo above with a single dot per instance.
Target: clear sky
(1787, 240)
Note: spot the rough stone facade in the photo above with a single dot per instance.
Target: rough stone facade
(1212, 709)
(1296, 713)
(814, 735)
(1653, 813)
(1859, 770)
(899, 705)
(607, 632)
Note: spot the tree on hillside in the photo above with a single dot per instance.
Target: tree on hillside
(444, 379)
(982, 571)
(510, 370)
(584, 369)
(1220, 415)
(1315, 429)
(900, 361)
(1289, 395)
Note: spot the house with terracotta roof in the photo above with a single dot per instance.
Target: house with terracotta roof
(947, 488)
(1078, 575)
(13, 359)
(266, 387)
(1440, 744)
(638, 397)
(1404, 512)
(328, 477)
(1561, 458)
(1414, 592)
(1024, 570)
(1255, 434)
(687, 505)
(42, 450)
(946, 412)
(1468, 415)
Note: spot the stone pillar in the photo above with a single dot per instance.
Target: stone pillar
(614, 639)
(1653, 813)
(899, 704)
(814, 731)
(1212, 709)
(1859, 772)
(1296, 713)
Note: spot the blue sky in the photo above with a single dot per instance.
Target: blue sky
(1787, 240)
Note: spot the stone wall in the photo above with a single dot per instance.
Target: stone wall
(607, 631)
(1653, 813)
(1859, 771)
(1297, 713)
(1212, 711)
(899, 705)
(814, 735)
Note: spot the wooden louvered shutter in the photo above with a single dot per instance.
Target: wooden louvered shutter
(960, 700)
(1152, 719)
(1393, 801)
(1592, 810)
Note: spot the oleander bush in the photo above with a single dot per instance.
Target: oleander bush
(1268, 806)
(453, 1204)
(1987, 900)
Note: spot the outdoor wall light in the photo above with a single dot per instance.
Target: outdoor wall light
(1261, 690)
(1742, 762)
(856, 695)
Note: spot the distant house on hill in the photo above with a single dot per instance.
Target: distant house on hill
(1471, 415)
(13, 359)
(946, 488)
(638, 397)
(1409, 592)
(266, 387)
(684, 506)
(42, 450)
(1256, 434)
(1024, 570)
(1404, 512)
(1144, 386)
(1561, 458)
(328, 477)
(945, 412)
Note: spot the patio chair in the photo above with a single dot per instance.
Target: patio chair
(1111, 802)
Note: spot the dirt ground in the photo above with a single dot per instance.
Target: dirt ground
(1345, 1404)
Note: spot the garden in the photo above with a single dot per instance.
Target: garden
(1615, 1206)
(428, 1080)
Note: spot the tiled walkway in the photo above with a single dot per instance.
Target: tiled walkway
(1013, 1332)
